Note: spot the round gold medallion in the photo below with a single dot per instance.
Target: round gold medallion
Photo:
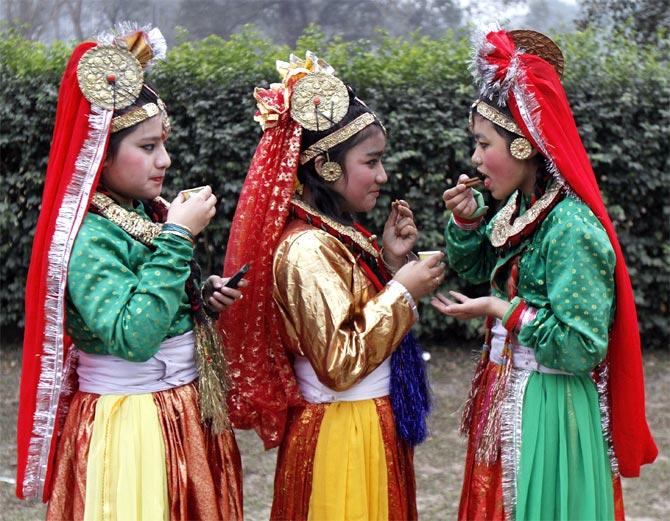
(521, 148)
(331, 171)
(319, 101)
(109, 77)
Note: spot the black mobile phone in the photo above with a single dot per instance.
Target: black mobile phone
(235, 279)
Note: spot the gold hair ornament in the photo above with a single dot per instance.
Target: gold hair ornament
(319, 101)
(337, 137)
(520, 148)
(111, 74)
(110, 77)
(540, 45)
(146, 111)
(495, 116)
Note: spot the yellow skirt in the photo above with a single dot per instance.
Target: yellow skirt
(344, 461)
(126, 475)
(349, 476)
(144, 456)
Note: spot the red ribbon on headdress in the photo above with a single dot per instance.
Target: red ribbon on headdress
(536, 85)
(45, 347)
(264, 385)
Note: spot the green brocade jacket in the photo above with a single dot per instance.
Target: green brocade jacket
(124, 298)
(566, 272)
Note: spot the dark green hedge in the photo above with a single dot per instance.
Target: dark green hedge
(421, 89)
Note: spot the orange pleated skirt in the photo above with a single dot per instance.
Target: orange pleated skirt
(204, 470)
(295, 461)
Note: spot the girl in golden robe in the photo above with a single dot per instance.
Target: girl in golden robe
(322, 362)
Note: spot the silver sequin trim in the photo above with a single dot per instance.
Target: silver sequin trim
(603, 401)
(52, 370)
(510, 437)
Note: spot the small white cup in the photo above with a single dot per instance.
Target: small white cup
(423, 255)
(186, 194)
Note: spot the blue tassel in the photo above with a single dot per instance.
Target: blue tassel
(410, 393)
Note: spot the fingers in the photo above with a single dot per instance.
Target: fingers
(458, 296)
(443, 299)
(435, 260)
(462, 178)
(224, 297)
(454, 196)
(443, 304)
(407, 229)
(439, 306)
(204, 193)
(400, 210)
(400, 217)
(403, 209)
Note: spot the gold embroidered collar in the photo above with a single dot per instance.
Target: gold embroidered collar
(132, 223)
(356, 237)
(504, 228)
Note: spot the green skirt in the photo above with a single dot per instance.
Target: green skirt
(563, 467)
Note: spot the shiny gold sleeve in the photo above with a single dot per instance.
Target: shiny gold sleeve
(331, 312)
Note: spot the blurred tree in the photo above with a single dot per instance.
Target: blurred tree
(644, 19)
(549, 16)
(285, 20)
(29, 17)
(48, 20)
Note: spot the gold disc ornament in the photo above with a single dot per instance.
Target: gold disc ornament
(521, 148)
(319, 101)
(331, 171)
(110, 77)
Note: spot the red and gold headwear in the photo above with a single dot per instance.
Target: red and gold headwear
(100, 76)
(520, 70)
(311, 97)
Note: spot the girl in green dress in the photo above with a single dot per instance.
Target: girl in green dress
(122, 412)
(547, 436)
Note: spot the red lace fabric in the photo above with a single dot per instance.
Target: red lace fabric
(263, 383)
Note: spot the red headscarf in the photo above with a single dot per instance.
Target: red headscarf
(535, 96)
(77, 153)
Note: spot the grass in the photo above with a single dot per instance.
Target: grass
(438, 461)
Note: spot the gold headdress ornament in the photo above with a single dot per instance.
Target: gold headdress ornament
(531, 42)
(520, 148)
(317, 100)
(111, 75)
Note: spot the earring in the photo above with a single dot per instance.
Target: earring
(520, 148)
(330, 170)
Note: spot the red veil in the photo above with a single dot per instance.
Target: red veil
(78, 148)
(264, 385)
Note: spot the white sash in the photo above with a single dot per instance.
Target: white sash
(523, 357)
(374, 385)
(173, 365)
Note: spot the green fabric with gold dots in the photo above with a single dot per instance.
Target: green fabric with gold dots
(566, 272)
(124, 298)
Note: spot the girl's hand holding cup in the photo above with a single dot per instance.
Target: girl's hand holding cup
(422, 277)
(194, 211)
